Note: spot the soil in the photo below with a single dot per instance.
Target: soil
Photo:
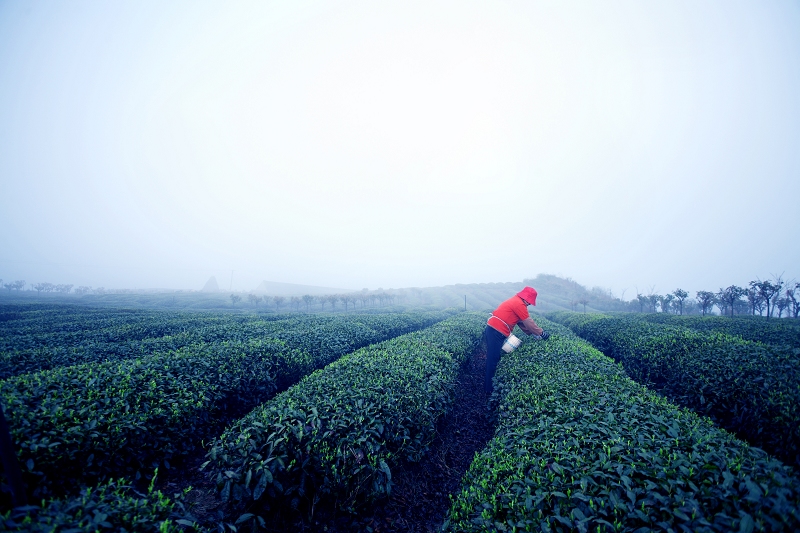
(421, 491)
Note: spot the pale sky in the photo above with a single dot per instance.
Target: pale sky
(394, 144)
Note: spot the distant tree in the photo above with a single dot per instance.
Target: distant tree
(583, 301)
(782, 304)
(334, 299)
(295, 302)
(706, 300)
(754, 301)
(308, 300)
(666, 303)
(278, 302)
(235, 298)
(254, 299)
(100, 290)
(643, 300)
(767, 290)
(691, 307)
(64, 289)
(730, 296)
(83, 289)
(791, 295)
(653, 300)
(39, 288)
(680, 295)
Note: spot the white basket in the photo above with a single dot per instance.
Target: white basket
(512, 342)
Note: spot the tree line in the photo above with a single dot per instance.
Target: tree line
(770, 298)
(308, 301)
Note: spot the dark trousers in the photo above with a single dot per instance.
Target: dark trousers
(494, 349)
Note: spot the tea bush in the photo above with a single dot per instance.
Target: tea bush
(581, 447)
(749, 388)
(339, 432)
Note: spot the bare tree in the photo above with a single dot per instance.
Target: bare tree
(235, 298)
(583, 301)
(64, 289)
(254, 299)
(706, 299)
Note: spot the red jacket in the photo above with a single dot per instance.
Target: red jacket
(510, 313)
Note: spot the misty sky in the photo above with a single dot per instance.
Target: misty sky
(394, 144)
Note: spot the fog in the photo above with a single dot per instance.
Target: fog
(628, 145)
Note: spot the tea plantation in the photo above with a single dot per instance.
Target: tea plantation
(605, 431)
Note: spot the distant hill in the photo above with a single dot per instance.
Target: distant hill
(274, 288)
(555, 294)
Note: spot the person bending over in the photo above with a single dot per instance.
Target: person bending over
(508, 314)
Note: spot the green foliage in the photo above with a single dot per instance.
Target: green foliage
(581, 447)
(76, 425)
(749, 388)
(34, 338)
(112, 506)
(782, 332)
(338, 433)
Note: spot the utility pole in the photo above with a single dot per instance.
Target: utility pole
(465, 302)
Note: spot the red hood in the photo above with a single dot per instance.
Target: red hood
(528, 294)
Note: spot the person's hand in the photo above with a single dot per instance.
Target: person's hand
(544, 335)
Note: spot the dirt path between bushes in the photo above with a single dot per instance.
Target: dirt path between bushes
(421, 491)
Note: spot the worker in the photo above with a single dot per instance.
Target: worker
(508, 314)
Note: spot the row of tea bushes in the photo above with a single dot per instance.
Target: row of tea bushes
(80, 424)
(749, 388)
(579, 446)
(337, 434)
(111, 506)
(778, 332)
(93, 337)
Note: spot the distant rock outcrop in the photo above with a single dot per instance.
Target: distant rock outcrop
(211, 285)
